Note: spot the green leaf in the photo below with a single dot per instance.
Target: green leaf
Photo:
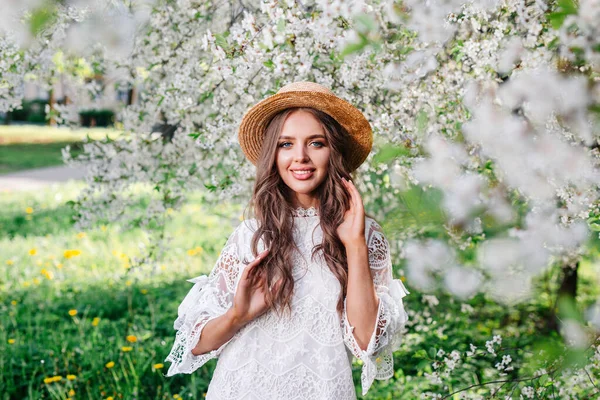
(269, 64)
(568, 6)
(211, 188)
(565, 8)
(421, 353)
(354, 48)
(432, 352)
(221, 41)
(390, 152)
(41, 18)
(556, 19)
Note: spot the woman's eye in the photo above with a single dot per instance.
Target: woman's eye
(320, 144)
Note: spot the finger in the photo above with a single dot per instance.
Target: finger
(348, 189)
(259, 258)
(352, 196)
(253, 264)
(356, 194)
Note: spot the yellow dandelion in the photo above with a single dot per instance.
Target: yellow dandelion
(9, 262)
(48, 274)
(11, 341)
(131, 338)
(71, 253)
(191, 252)
(159, 366)
(176, 396)
(29, 210)
(33, 252)
(59, 265)
(109, 398)
(163, 267)
(169, 211)
(71, 377)
(14, 302)
(81, 235)
(402, 278)
(26, 284)
(71, 392)
(72, 312)
(95, 321)
(110, 364)
(128, 283)
(36, 281)
(48, 380)
(144, 291)
(126, 349)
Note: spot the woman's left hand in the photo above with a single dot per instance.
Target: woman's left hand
(352, 230)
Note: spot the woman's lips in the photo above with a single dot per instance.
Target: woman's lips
(303, 176)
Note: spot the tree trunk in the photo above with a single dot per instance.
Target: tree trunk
(568, 287)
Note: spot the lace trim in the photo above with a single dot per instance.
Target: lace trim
(305, 212)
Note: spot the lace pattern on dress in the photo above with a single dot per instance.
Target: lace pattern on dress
(210, 297)
(305, 212)
(378, 362)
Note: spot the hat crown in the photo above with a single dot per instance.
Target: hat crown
(304, 87)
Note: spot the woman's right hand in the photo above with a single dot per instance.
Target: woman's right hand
(249, 302)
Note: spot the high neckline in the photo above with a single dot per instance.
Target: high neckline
(305, 212)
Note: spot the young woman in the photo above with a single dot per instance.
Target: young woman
(319, 288)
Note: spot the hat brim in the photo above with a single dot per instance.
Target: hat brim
(254, 122)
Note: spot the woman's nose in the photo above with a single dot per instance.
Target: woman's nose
(300, 153)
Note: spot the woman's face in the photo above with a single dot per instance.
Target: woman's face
(302, 146)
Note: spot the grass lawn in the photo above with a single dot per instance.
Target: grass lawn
(77, 321)
(30, 146)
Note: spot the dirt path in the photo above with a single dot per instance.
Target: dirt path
(33, 179)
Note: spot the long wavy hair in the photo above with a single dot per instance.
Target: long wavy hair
(272, 208)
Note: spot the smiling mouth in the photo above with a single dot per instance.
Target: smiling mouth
(303, 174)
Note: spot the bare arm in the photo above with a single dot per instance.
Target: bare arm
(362, 301)
(217, 332)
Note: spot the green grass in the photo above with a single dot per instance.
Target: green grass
(64, 316)
(24, 147)
(19, 157)
(39, 339)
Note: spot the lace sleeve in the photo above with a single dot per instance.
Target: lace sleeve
(210, 297)
(378, 361)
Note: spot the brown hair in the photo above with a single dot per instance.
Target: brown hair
(272, 209)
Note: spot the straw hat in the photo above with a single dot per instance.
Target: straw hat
(306, 94)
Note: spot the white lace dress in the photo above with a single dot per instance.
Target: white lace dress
(307, 355)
